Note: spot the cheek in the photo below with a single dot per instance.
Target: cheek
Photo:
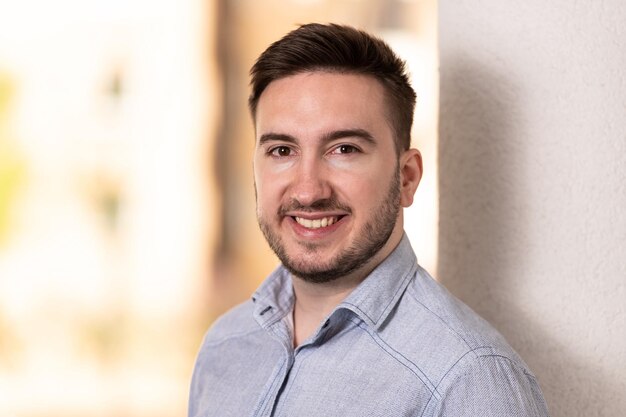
(264, 209)
(357, 190)
(268, 193)
(269, 174)
(366, 182)
(368, 189)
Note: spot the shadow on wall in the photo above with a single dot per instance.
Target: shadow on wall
(483, 244)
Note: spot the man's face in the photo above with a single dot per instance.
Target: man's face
(326, 174)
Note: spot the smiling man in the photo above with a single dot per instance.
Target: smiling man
(349, 324)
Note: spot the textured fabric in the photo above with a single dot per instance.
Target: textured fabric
(398, 345)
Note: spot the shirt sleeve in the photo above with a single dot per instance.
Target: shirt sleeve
(491, 386)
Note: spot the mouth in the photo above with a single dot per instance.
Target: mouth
(317, 223)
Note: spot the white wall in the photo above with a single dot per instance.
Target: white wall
(533, 186)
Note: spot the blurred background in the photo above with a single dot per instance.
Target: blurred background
(127, 218)
(127, 214)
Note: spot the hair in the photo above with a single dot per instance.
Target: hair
(342, 49)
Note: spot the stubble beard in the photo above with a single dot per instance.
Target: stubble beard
(371, 239)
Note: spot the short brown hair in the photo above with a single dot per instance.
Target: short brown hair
(339, 48)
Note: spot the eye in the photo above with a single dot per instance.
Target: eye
(280, 151)
(345, 149)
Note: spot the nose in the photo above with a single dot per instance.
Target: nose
(310, 182)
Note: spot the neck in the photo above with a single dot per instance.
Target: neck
(315, 301)
(319, 299)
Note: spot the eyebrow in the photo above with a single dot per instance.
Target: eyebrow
(269, 137)
(327, 137)
(349, 133)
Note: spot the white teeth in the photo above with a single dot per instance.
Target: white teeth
(316, 224)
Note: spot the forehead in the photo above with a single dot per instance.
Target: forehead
(322, 100)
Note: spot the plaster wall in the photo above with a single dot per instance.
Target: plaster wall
(532, 160)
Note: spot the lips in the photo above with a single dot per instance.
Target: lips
(317, 223)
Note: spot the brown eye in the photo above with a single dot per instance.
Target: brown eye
(281, 151)
(345, 149)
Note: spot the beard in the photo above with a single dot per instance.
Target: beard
(373, 235)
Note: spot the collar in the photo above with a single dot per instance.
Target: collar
(377, 295)
(274, 298)
(372, 300)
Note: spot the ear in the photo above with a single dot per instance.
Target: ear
(410, 175)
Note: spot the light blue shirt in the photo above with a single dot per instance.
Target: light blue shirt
(398, 345)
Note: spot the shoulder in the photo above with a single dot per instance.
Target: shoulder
(451, 316)
(439, 333)
(469, 364)
(242, 321)
(235, 323)
(488, 384)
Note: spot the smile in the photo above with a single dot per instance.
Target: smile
(317, 223)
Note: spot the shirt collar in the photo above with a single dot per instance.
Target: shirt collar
(376, 296)
(372, 300)
(274, 298)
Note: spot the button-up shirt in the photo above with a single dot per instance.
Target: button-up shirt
(398, 345)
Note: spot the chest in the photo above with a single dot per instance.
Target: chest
(352, 374)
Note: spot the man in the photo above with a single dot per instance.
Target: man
(349, 324)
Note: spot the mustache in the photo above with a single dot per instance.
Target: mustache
(327, 204)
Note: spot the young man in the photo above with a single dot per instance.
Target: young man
(349, 324)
